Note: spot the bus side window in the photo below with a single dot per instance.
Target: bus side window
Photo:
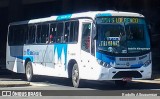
(53, 33)
(76, 28)
(42, 33)
(38, 34)
(21, 35)
(66, 32)
(11, 35)
(15, 31)
(73, 36)
(18, 35)
(45, 33)
(60, 29)
(31, 34)
(25, 36)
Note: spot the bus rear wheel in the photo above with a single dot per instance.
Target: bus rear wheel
(76, 81)
(29, 72)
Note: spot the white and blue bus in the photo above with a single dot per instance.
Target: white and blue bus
(94, 45)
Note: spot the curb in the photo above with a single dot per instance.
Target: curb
(14, 84)
(148, 81)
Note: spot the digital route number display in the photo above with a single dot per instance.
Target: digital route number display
(119, 20)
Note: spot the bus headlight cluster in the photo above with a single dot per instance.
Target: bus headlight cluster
(104, 64)
(147, 63)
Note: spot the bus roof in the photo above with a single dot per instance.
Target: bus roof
(90, 14)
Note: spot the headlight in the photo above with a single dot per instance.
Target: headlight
(100, 62)
(104, 64)
(147, 63)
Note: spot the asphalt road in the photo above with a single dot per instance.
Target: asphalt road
(53, 83)
(44, 83)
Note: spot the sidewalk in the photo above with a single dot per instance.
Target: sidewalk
(155, 81)
(10, 79)
(14, 83)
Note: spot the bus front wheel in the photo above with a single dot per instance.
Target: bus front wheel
(76, 81)
(29, 72)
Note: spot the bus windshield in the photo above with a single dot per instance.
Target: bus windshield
(122, 35)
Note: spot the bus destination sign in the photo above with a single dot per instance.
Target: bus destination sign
(118, 20)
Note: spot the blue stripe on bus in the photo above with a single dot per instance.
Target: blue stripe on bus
(25, 57)
(103, 14)
(59, 48)
(105, 58)
(111, 59)
(64, 17)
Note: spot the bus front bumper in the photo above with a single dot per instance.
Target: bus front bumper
(121, 74)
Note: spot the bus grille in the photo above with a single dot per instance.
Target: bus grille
(122, 74)
(127, 59)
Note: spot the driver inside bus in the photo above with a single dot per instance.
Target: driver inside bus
(107, 34)
(122, 37)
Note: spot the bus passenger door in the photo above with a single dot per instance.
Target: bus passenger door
(86, 57)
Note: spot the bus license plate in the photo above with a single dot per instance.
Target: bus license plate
(127, 79)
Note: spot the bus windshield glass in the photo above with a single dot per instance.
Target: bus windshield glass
(122, 35)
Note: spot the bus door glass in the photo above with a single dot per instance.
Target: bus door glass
(86, 55)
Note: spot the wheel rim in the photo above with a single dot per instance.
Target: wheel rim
(75, 76)
(28, 72)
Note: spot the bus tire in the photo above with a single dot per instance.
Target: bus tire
(120, 83)
(29, 71)
(76, 81)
